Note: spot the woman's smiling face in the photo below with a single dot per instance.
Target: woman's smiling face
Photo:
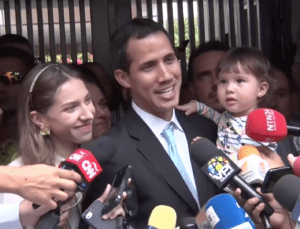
(71, 115)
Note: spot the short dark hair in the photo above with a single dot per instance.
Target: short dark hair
(252, 61)
(209, 46)
(14, 40)
(138, 28)
(26, 57)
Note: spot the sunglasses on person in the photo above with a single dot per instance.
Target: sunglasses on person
(11, 78)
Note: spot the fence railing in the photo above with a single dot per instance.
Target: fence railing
(65, 30)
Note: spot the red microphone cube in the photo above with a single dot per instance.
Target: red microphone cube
(266, 125)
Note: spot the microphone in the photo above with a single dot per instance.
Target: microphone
(222, 171)
(223, 211)
(293, 130)
(86, 164)
(267, 125)
(286, 191)
(253, 167)
(162, 217)
(187, 223)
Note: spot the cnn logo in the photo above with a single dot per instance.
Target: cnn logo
(90, 168)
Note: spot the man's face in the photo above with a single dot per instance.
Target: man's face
(282, 100)
(205, 78)
(154, 76)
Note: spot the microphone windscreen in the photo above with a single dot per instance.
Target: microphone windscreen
(296, 167)
(187, 223)
(162, 217)
(203, 150)
(223, 211)
(213, 162)
(87, 164)
(286, 191)
(248, 150)
(266, 125)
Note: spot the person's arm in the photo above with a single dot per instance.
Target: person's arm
(39, 183)
(194, 106)
(208, 112)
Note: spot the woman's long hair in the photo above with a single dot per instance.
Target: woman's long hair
(37, 94)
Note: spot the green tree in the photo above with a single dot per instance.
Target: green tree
(186, 34)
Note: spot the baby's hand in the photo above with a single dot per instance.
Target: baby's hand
(189, 108)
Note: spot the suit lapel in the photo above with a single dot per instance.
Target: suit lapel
(153, 151)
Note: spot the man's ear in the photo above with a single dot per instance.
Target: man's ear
(264, 86)
(38, 120)
(123, 78)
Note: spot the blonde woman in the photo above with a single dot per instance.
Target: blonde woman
(55, 118)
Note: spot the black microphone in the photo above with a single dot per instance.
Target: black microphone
(286, 191)
(293, 130)
(222, 171)
(187, 223)
(86, 164)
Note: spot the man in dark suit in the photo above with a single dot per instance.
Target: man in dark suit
(145, 63)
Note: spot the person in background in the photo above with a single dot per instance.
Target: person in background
(55, 117)
(282, 102)
(14, 66)
(100, 94)
(16, 41)
(296, 102)
(117, 100)
(202, 73)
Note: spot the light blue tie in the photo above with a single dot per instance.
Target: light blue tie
(168, 134)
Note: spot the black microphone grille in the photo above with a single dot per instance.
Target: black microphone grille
(286, 191)
(187, 223)
(203, 150)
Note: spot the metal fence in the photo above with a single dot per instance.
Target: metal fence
(79, 30)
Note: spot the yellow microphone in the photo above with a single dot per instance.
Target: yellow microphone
(162, 217)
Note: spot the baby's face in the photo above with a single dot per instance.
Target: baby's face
(238, 92)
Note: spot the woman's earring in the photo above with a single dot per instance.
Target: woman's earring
(45, 132)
